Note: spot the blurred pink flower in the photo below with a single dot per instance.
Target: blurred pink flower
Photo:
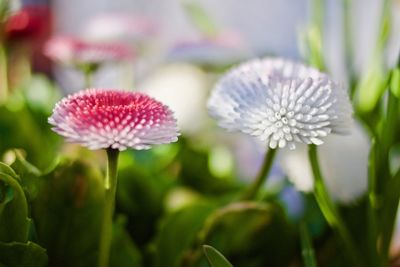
(30, 22)
(120, 27)
(70, 50)
(117, 119)
(222, 49)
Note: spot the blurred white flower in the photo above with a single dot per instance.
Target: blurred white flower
(280, 102)
(183, 88)
(343, 160)
(222, 49)
(120, 27)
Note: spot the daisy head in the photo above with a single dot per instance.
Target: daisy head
(117, 119)
(281, 102)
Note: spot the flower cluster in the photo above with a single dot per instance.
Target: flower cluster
(117, 119)
(281, 102)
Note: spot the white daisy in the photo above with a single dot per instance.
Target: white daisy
(281, 102)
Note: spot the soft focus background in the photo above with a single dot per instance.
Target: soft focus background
(174, 198)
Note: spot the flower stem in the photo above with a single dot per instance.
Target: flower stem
(3, 74)
(110, 184)
(252, 191)
(88, 75)
(307, 249)
(329, 209)
(88, 71)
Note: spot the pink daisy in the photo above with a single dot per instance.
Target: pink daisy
(117, 119)
(69, 50)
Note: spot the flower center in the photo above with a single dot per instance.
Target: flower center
(282, 117)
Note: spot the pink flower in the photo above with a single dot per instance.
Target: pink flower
(100, 118)
(30, 22)
(69, 50)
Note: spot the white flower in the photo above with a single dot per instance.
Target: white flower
(343, 161)
(281, 102)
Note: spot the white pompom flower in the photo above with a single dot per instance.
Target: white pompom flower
(281, 102)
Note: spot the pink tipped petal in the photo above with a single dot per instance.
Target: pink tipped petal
(100, 118)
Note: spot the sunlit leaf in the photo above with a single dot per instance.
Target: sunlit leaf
(395, 82)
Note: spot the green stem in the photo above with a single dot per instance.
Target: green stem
(392, 197)
(110, 185)
(252, 191)
(389, 187)
(3, 74)
(348, 44)
(329, 210)
(314, 35)
(88, 75)
(307, 249)
(88, 71)
(373, 206)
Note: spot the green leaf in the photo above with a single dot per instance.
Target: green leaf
(215, 258)
(371, 87)
(67, 214)
(24, 129)
(16, 254)
(178, 232)
(375, 80)
(124, 252)
(14, 222)
(30, 179)
(395, 82)
(4, 168)
(200, 18)
(137, 188)
(254, 234)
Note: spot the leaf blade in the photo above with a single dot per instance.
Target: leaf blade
(215, 258)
